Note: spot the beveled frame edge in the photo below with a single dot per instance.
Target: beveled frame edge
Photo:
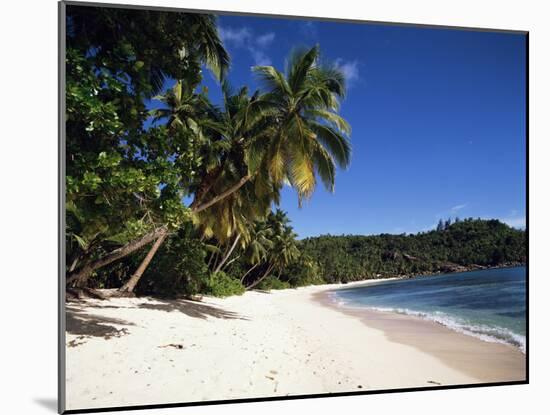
(61, 374)
(291, 17)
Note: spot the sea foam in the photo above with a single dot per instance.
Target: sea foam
(483, 332)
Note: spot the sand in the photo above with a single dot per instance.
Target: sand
(142, 351)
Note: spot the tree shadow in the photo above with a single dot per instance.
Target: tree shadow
(83, 324)
(192, 309)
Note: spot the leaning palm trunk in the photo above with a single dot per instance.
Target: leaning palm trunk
(230, 262)
(131, 284)
(213, 255)
(249, 271)
(80, 277)
(134, 279)
(227, 254)
(263, 277)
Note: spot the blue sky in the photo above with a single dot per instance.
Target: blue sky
(438, 119)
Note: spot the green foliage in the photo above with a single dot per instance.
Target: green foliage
(219, 284)
(178, 268)
(303, 271)
(465, 243)
(310, 138)
(272, 283)
(123, 177)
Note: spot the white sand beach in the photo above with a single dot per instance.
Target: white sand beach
(137, 351)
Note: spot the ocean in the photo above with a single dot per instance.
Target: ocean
(488, 304)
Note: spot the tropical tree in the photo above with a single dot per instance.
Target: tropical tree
(115, 193)
(309, 137)
(282, 249)
(234, 162)
(257, 249)
(147, 47)
(189, 118)
(219, 138)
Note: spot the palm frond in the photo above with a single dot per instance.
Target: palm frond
(331, 117)
(272, 79)
(300, 63)
(336, 143)
(324, 165)
(211, 47)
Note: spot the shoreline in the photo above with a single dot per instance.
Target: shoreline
(502, 362)
(515, 343)
(468, 268)
(257, 345)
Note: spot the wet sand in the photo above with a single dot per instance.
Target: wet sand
(486, 361)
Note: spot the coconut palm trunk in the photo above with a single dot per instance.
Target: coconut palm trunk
(249, 271)
(228, 254)
(134, 279)
(263, 277)
(230, 262)
(80, 277)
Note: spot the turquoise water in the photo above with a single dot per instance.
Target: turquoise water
(489, 304)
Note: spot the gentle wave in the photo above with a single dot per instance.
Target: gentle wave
(480, 331)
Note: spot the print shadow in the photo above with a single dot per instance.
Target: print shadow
(49, 403)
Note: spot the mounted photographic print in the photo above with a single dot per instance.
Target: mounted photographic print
(264, 207)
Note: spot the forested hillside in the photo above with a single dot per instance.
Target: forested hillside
(467, 244)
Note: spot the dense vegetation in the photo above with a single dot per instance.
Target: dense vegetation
(130, 167)
(143, 137)
(275, 259)
(466, 244)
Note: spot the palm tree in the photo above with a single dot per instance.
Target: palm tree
(282, 249)
(199, 44)
(310, 137)
(260, 244)
(224, 164)
(185, 40)
(183, 107)
(290, 134)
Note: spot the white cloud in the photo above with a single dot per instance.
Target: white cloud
(514, 219)
(518, 222)
(265, 40)
(456, 208)
(309, 28)
(260, 58)
(515, 222)
(244, 38)
(350, 70)
(237, 37)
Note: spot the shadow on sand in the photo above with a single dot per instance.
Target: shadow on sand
(81, 322)
(191, 308)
